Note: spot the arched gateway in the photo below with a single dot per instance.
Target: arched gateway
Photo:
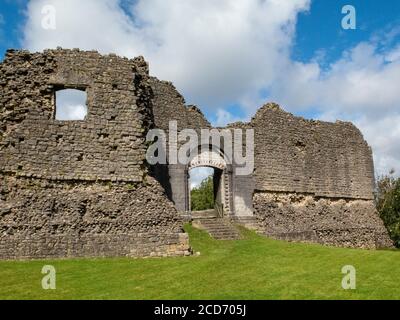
(223, 195)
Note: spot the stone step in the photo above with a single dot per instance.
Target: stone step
(225, 235)
(218, 228)
(215, 228)
(205, 214)
(221, 233)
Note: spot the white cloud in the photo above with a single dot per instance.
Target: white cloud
(361, 87)
(214, 51)
(228, 52)
(91, 24)
(361, 81)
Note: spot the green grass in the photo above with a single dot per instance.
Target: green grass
(253, 268)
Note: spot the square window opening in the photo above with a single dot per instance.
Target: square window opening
(71, 104)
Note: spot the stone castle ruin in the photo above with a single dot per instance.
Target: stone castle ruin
(84, 188)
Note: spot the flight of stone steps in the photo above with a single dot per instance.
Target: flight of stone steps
(218, 228)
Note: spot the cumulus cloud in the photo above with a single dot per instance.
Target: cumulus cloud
(214, 51)
(361, 86)
(227, 52)
(362, 81)
(91, 24)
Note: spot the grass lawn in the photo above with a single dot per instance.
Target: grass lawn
(253, 268)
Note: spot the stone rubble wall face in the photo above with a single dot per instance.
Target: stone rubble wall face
(80, 188)
(47, 219)
(108, 145)
(169, 104)
(297, 155)
(336, 222)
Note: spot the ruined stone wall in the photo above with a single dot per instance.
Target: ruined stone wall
(53, 219)
(169, 104)
(337, 222)
(108, 145)
(314, 181)
(297, 155)
(79, 188)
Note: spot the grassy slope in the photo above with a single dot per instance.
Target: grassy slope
(254, 268)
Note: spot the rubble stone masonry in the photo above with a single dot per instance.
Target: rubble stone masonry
(314, 181)
(80, 188)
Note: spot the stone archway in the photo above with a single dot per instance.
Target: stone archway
(222, 179)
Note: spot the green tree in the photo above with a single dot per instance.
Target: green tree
(388, 204)
(202, 197)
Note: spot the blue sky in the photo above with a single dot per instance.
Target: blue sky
(321, 28)
(229, 57)
(11, 24)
